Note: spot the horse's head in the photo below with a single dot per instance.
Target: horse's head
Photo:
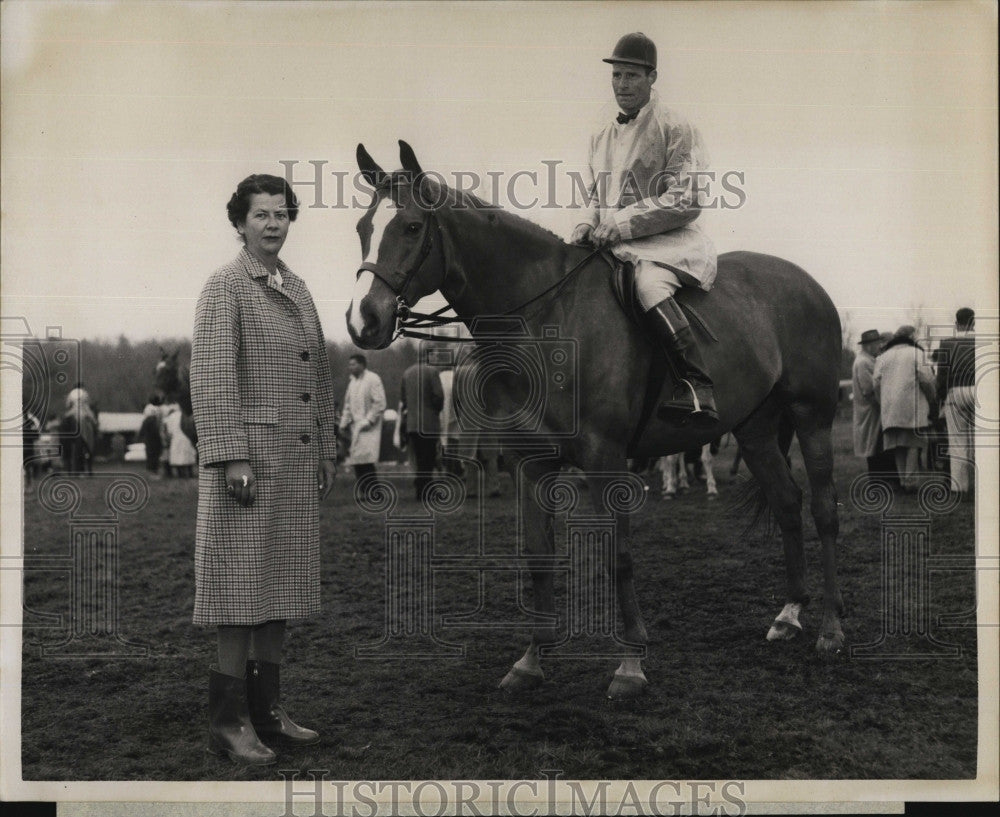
(401, 248)
(171, 378)
(167, 371)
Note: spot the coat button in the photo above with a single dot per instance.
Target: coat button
(305, 397)
(304, 356)
(305, 438)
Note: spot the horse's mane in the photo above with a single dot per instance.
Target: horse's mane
(470, 201)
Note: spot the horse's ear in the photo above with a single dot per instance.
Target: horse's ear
(369, 167)
(409, 159)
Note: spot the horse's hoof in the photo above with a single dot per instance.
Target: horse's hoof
(625, 687)
(668, 497)
(783, 631)
(712, 497)
(519, 680)
(830, 644)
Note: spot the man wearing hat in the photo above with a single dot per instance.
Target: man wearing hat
(644, 202)
(956, 390)
(867, 423)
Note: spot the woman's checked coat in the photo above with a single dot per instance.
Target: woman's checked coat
(261, 391)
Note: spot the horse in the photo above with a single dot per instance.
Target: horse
(172, 382)
(771, 339)
(676, 467)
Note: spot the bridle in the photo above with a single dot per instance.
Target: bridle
(408, 322)
(425, 250)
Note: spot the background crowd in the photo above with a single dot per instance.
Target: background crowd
(907, 403)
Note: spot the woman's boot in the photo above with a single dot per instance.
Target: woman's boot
(266, 712)
(229, 729)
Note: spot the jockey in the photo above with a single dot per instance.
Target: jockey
(643, 206)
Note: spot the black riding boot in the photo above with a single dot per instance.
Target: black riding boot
(229, 729)
(266, 712)
(692, 398)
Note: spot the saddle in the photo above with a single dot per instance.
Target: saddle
(622, 280)
(623, 286)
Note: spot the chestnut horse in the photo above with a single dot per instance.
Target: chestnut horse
(771, 340)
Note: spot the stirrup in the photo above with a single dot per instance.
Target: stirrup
(694, 412)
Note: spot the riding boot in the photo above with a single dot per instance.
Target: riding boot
(266, 712)
(229, 729)
(692, 398)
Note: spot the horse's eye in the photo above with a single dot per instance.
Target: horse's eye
(413, 227)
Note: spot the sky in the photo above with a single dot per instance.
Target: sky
(866, 134)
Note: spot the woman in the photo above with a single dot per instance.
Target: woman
(263, 406)
(904, 386)
(181, 453)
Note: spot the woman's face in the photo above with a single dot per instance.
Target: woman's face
(266, 225)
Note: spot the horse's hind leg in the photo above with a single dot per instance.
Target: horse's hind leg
(813, 431)
(759, 443)
(706, 462)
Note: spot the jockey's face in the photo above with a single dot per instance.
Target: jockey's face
(632, 85)
(266, 225)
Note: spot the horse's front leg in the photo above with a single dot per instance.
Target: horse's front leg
(539, 547)
(629, 678)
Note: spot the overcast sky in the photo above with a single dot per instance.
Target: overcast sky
(866, 133)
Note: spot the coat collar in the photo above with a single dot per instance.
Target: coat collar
(256, 269)
(642, 117)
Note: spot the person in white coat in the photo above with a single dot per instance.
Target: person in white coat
(904, 387)
(645, 197)
(364, 403)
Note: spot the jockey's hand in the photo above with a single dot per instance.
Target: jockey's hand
(581, 235)
(240, 482)
(364, 425)
(325, 472)
(607, 233)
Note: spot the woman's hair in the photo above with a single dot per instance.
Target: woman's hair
(239, 203)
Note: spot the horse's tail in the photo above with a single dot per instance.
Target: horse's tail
(748, 499)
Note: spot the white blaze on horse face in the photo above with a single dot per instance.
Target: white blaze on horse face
(384, 213)
(361, 288)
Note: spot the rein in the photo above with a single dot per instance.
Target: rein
(408, 321)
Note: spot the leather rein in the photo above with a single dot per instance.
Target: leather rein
(409, 323)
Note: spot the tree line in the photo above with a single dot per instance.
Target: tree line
(119, 375)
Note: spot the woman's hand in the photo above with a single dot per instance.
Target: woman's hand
(325, 472)
(240, 482)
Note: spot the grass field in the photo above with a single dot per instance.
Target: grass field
(721, 703)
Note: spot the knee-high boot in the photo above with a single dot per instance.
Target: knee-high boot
(266, 712)
(230, 731)
(693, 396)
